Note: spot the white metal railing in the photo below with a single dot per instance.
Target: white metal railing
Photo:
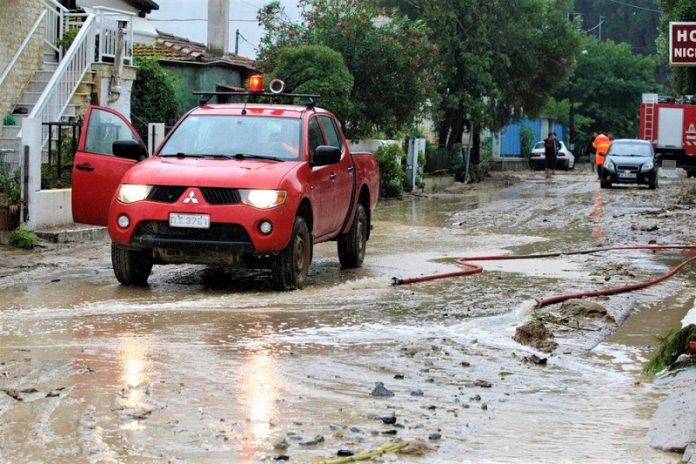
(59, 20)
(106, 26)
(55, 24)
(109, 29)
(22, 47)
(65, 80)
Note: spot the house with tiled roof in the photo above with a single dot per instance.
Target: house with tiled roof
(196, 67)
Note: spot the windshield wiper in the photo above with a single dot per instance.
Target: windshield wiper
(181, 155)
(241, 156)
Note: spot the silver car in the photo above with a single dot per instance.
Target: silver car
(537, 159)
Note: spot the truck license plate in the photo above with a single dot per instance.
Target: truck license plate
(195, 221)
(627, 175)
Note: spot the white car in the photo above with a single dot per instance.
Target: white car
(565, 159)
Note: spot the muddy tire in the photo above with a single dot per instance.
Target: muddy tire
(605, 185)
(351, 246)
(131, 267)
(291, 266)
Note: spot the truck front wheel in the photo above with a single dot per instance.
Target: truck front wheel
(132, 267)
(291, 266)
(351, 246)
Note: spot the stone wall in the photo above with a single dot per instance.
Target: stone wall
(16, 20)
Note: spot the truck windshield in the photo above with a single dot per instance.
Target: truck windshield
(218, 135)
(630, 149)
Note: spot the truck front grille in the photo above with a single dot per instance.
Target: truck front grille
(221, 196)
(165, 193)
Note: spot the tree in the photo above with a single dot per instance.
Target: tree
(389, 56)
(634, 22)
(683, 79)
(499, 59)
(606, 89)
(316, 69)
(153, 95)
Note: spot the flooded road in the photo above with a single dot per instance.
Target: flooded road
(210, 365)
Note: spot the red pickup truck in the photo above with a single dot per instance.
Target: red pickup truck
(243, 184)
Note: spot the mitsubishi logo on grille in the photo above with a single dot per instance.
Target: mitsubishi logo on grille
(191, 198)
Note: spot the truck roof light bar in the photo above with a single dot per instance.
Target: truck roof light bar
(308, 100)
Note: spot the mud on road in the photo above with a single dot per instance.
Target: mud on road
(210, 365)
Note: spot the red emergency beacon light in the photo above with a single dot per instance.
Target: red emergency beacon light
(256, 83)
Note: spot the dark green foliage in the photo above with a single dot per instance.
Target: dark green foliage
(9, 120)
(22, 238)
(388, 55)
(671, 347)
(527, 141)
(10, 189)
(315, 69)
(392, 176)
(607, 84)
(153, 95)
(632, 21)
(67, 39)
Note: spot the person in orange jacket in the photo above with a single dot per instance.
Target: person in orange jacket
(601, 145)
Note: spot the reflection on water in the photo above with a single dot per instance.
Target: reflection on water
(597, 229)
(258, 394)
(134, 376)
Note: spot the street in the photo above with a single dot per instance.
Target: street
(212, 365)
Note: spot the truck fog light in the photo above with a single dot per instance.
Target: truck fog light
(123, 221)
(265, 227)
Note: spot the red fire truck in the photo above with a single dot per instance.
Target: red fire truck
(670, 125)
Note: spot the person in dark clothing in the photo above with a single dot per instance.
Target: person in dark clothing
(551, 148)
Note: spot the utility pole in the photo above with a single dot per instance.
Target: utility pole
(236, 42)
(601, 21)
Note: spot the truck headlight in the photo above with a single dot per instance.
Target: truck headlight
(263, 199)
(130, 193)
(647, 166)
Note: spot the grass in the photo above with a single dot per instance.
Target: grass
(670, 348)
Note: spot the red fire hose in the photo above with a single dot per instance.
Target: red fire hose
(471, 268)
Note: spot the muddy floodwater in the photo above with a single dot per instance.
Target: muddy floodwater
(211, 365)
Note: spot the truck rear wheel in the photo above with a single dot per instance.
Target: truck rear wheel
(131, 267)
(291, 266)
(351, 246)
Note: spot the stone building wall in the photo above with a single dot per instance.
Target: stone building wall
(16, 20)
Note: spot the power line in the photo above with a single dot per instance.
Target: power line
(637, 7)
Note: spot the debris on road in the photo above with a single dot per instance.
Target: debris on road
(381, 391)
(535, 334)
(584, 309)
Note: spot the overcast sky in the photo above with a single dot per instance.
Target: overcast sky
(242, 17)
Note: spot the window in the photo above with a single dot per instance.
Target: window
(315, 136)
(332, 136)
(103, 130)
(203, 135)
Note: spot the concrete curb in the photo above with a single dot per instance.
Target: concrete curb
(73, 233)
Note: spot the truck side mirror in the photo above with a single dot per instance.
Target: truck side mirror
(325, 155)
(129, 149)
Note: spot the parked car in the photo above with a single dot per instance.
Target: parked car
(565, 159)
(244, 185)
(630, 161)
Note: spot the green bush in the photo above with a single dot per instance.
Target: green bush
(315, 69)
(153, 97)
(392, 176)
(67, 39)
(527, 136)
(9, 120)
(22, 238)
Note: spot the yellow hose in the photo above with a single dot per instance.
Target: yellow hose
(388, 448)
